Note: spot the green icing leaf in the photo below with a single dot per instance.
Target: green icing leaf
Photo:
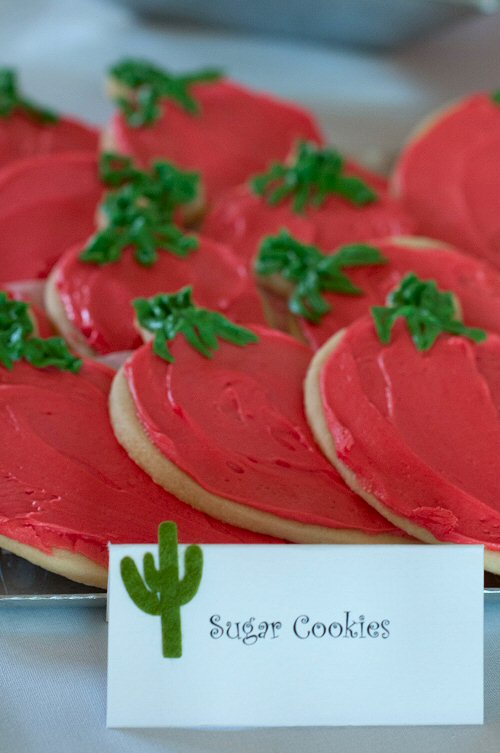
(428, 312)
(495, 96)
(144, 227)
(16, 342)
(151, 84)
(51, 352)
(15, 327)
(164, 184)
(12, 101)
(117, 169)
(170, 186)
(311, 272)
(314, 174)
(140, 211)
(167, 315)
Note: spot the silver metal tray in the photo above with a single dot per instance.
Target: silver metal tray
(25, 585)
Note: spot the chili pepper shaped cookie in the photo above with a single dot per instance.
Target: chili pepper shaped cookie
(27, 130)
(447, 176)
(141, 250)
(213, 412)
(405, 403)
(67, 488)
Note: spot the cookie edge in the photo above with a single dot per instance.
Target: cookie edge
(70, 565)
(132, 436)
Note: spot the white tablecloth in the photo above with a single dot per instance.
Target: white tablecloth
(53, 662)
(53, 700)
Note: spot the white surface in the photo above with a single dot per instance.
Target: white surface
(53, 663)
(53, 700)
(420, 663)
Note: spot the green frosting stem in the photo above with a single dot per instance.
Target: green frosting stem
(314, 174)
(428, 311)
(311, 272)
(11, 100)
(168, 315)
(164, 185)
(151, 84)
(161, 592)
(140, 211)
(17, 342)
(145, 229)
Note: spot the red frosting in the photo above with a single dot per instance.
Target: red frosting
(448, 177)
(43, 324)
(420, 430)
(22, 136)
(476, 284)
(235, 135)
(65, 481)
(244, 408)
(242, 220)
(98, 299)
(46, 204)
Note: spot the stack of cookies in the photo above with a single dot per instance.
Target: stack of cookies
(211, 316)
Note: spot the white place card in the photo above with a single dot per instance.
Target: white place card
(296, 635)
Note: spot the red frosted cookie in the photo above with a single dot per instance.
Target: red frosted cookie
(27, 130)
(67, 488)
(317, 196)
(328, 292)
(415, 432)
(202, 122)
(47, 204)
(447, 176)
(259, 467)
(91, 304)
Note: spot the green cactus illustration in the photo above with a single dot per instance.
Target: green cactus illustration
(161, 592)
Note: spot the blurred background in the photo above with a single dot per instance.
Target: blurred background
(369, 69)
(368, 23)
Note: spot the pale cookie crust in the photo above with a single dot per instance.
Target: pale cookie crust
(275, 314)
(107, 142)
(275, 283)
(319, 427)
(73, 566)
(57, 314)
(274, 292)
(132, 436)
(115, 90)
(34, 321)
